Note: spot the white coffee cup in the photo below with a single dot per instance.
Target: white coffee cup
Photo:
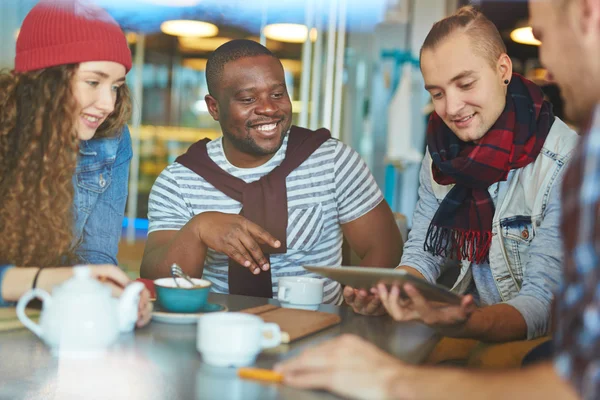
(300, 292)
(234, 339)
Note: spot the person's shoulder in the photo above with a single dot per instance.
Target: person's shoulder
(344, 152)
(182, 176)
(333, 152)
(124, 134)
(117, 145)
(125, 150)
(172, 173)
(169, 181)
(561, 139)
(175, 170)
(122, 137)
(326, 151)
(336, 145)
(328, 144)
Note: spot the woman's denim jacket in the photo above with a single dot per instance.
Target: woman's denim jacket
(526, 250)
(101, 187)
(100, 181)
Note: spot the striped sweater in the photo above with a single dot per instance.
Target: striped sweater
(331, 188)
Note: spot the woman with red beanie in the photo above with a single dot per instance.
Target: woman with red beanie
(64, 150)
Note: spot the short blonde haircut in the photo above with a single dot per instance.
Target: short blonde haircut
(484, 35)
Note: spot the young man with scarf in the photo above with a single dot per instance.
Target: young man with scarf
(349, 366)
(267, 197)
(489, 192)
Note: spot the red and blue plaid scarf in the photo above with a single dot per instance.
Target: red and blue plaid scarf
(462, 225)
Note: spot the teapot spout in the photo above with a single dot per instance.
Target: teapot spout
(128, 306)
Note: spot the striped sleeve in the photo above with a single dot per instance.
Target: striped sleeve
(167, 208)
(356, 191)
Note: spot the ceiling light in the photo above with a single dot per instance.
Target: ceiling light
(524, 36)
(184, 27)
(291, 33)
(313, 34)
(538, 75)
(131, 37)
(198, 64)
(191, 44)
(292, 66)
(272, 45)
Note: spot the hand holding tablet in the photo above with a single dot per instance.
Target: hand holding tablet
(407, 297)
(367, 278)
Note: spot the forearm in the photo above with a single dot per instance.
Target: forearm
(540, 382)
(382, 256)
(184, 249)
(375, 238)
(411, 271)
(496, 323)
(19, 280)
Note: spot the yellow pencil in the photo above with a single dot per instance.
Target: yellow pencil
(266, 375)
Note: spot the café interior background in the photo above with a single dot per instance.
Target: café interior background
(351, 66)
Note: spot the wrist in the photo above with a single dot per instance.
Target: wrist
(195, 227)
(17, 281)
(403, 382)
(50, 277)
(467, 329)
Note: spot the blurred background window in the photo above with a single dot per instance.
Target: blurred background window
(351, 66)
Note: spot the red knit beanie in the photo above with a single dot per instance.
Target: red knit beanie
(58, 32)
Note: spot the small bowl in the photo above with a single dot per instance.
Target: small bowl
(184, 299)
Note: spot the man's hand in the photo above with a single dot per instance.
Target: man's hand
(365, 303)
(347, 366)
(236, 237)
(446, 317)
(362, 302)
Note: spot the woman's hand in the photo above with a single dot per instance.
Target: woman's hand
(110, 275)
(116, 279)
(145, 309)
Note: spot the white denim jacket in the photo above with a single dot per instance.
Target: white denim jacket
(526, 248)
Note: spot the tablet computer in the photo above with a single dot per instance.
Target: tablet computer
(367, 277)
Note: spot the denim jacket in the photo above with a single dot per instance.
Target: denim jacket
(526, 255)
(101, 186)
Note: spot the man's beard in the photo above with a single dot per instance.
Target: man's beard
(249, 146)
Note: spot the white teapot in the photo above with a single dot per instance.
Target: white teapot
(82, 317)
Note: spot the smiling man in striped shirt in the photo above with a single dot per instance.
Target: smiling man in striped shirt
(267, 197)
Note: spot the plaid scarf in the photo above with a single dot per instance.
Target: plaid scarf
(462, 225)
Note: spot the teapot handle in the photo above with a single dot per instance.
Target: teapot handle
(24, 300)
(128, 306)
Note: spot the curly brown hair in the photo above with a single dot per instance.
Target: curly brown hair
(38, 157)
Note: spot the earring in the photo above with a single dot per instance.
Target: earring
(506, 81)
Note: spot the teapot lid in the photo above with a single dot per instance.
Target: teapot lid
(82, 283)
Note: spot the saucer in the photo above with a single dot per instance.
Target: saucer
(167, 317)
